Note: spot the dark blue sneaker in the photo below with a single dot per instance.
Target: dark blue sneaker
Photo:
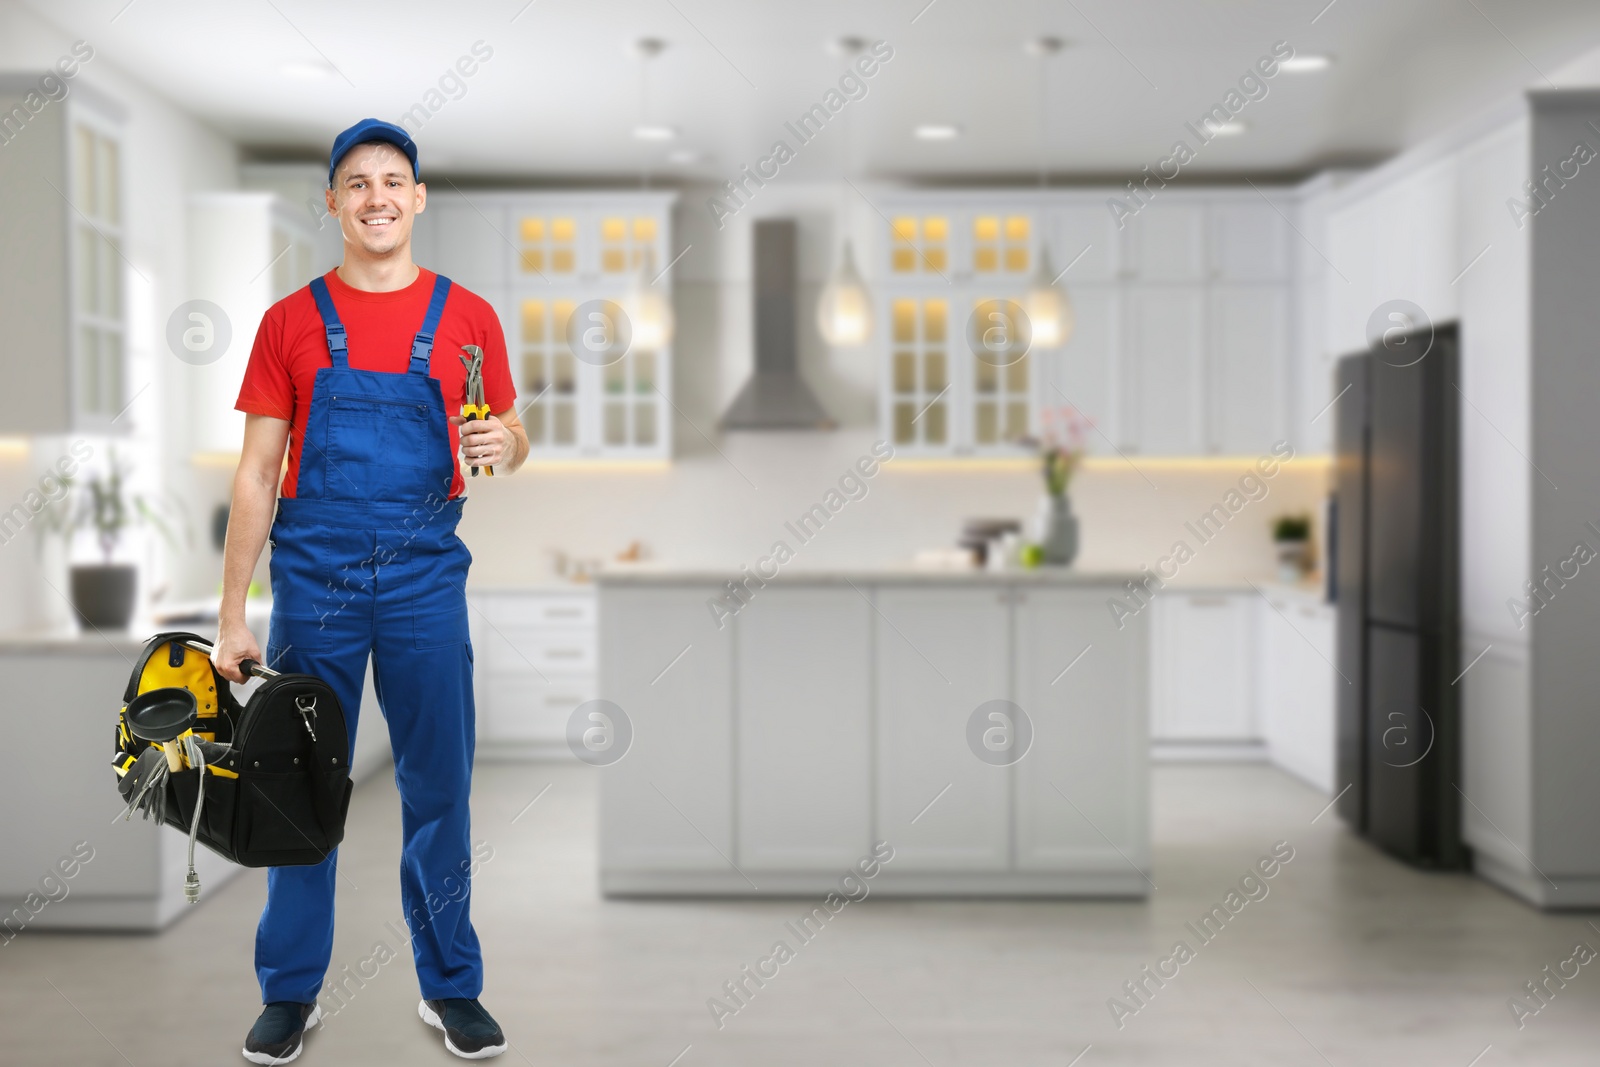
(278, 1033)
(469, 1031)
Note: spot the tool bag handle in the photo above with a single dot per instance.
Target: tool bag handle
(247, 667)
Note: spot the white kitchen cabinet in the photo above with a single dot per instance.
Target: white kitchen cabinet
(1082, 791)
(1248, 242)
(1083, 372)
(1163, 352)
(1311, 379)
(1182, 345)
(941, 652)
(64, 301)
(468, 241)
(536, 653)
(939, 395)
(304, 186)
(842, 716)
(804, 736)
(1246, 363)
(1084, 236)
(1202, 684)
(989, 241)
(1166, 242)
(668, 804)
(247, 251)
(1297, 683)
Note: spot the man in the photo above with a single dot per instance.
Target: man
(358, 374)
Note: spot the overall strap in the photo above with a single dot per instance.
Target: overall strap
(422, 347)
(337, 346)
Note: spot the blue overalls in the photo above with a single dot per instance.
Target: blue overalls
(365, 559)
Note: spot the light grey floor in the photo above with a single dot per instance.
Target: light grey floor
(1350, 959)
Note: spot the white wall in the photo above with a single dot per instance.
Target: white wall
(702, 510)
(167, 154)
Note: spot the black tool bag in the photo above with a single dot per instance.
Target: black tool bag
(277, 770)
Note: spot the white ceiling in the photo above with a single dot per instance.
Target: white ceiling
(561, 94)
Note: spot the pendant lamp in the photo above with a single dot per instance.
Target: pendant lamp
(844, 311)
(650, 319)
(649, 311)
(1048, 306)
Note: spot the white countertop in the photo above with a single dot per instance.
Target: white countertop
(128, 642)
(553, 587)
(646, 574)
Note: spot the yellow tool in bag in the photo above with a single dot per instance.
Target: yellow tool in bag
(262, 785)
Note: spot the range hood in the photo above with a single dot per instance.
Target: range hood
(775, 397)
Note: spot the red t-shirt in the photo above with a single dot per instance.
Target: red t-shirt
(291, 347)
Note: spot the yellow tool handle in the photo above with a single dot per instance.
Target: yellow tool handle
(471, 412)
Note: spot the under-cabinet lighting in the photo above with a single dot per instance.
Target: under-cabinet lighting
(1302, 64)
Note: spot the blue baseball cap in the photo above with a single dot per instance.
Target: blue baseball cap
(368, 130)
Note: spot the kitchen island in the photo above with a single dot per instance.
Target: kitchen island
(760, 738)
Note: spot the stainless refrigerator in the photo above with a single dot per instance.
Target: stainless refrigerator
(1396, 584)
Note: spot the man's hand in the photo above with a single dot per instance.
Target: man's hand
(235, 644)
(484, 442)
(496, 441)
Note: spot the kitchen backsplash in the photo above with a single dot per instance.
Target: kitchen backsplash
(726, 507)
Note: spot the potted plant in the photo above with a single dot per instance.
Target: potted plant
(104, 593)
(1061, 448)
(1291, 534)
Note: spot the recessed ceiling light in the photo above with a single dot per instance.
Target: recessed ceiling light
(654, 133)
(683, 156)
(1229, 129)
(847, 47)
(1307, 62)
(1043, 46)
(306, 70)
(937, 131)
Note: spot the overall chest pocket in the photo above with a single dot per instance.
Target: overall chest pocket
(381, 449)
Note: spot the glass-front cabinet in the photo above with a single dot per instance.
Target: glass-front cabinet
(960, 375)
(563, 269)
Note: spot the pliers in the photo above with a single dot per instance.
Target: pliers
(474, 408)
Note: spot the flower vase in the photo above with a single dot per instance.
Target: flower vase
(1058, 530)
(1294, 559)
